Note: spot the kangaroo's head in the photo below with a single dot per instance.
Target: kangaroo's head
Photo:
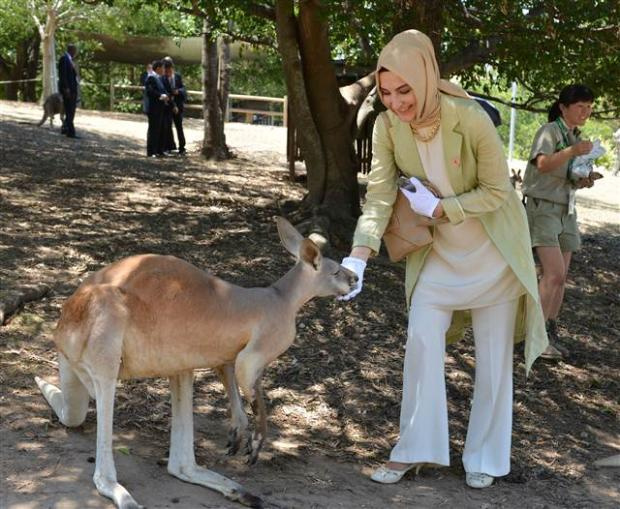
(326, 276)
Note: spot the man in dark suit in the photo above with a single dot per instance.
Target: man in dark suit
(155, 108)
(168, 138)
(145, 74)
(179, 96)
(69, 88)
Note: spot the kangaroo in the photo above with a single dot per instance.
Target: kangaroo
(515, 178)
(152, 315)
(53, 105)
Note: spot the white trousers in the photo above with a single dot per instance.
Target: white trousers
(424, 412)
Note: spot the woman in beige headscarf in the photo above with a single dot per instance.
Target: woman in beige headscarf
(479, 266)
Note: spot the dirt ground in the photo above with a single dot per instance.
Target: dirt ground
(68, 207)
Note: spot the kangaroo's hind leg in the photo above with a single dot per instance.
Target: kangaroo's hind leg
(70, 401)
(105, 471)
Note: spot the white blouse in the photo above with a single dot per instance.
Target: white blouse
(464, 269)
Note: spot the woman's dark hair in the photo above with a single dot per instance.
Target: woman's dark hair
(570, 94)
(157, 64)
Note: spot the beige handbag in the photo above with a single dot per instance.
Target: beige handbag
(407, 231)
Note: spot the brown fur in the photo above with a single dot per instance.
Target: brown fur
(53, 105)
(152, 315)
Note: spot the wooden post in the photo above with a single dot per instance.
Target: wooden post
(285, 111)
(111, 95)
(291, 150)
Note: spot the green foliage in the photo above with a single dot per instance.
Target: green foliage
(259, 76)
(137, 17)
(527, 123)
(16, 24)
(541, 45)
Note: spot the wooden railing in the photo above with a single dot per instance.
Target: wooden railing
(248, 113)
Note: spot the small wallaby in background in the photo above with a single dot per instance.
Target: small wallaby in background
(515, 178)
(53, 105)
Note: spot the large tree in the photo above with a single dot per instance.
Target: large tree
(48, 16)
(539, 44)
(19, 50)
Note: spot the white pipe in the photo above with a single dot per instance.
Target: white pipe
(513, 121)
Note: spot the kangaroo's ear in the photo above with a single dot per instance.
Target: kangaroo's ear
(289, 236)
(310, 253)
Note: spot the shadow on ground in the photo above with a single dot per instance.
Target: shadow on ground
(69, 207)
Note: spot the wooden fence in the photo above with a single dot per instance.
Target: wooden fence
(249, 114)
(362, 145)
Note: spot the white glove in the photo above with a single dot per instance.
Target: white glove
(358, 266)
(422, 201)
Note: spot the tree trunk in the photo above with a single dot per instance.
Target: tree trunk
(424, 15)
(24, 67)
(15, 73)
(224, 76)
(48, 40)
(307, 133)
(214, 141)
(28, 89)
(330, 112)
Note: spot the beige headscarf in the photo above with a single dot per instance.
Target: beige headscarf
(410, 54)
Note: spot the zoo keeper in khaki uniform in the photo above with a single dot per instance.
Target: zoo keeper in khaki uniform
(480, 262)
(549, 188)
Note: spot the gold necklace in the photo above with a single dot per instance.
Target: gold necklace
(431, 134)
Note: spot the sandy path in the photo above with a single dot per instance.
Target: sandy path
(73, 205)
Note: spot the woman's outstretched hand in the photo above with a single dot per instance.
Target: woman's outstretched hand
(358, 266)
(422, 200)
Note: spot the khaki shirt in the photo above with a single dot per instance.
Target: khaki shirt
(553, 185)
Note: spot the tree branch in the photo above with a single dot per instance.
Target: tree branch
(195, 10)
(355, 92)
(261, 11)
(473, 54)
(362, 35)
(258, 41)
(518, 106)
(469, 18)
(35, 17)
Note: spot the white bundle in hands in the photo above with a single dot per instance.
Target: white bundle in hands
(584, 165)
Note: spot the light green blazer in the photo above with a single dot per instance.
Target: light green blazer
(478, 172)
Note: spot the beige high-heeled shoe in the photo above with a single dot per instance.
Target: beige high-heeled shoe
(478, 480)
(385, 475)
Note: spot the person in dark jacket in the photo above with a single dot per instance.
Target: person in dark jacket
(69, 87)
(145, 74)
(167, 136)
(155, 109)
(179, 96)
